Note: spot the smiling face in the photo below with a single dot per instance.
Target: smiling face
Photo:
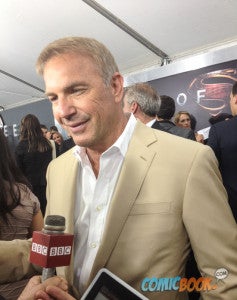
(57, 138)
(90, 111)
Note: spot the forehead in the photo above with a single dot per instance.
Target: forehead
(55, 134)
(182, 116)
(69, 60)
(68, 63)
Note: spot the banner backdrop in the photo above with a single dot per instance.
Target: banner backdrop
(203, 93)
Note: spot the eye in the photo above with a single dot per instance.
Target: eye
(79, 91)
(52, 98)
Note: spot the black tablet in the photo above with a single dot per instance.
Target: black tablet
(107, 286)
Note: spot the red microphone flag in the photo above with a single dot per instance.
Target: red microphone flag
(51, 250)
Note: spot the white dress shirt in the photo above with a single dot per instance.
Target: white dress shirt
(92, 203)
(150, 123)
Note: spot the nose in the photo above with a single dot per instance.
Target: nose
(187, 124)
(64, 108)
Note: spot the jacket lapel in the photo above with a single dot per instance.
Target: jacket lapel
(67, 198)
(69, 191)
(136, 164)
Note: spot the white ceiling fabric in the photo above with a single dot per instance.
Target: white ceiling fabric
(179, 28)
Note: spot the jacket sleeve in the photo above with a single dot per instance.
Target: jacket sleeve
(211, 227)
(14, 261)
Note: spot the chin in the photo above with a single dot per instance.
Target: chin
(80, 142)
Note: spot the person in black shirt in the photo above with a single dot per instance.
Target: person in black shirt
(33, 154)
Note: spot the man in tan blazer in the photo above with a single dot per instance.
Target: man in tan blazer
(164, 198)
(163, 193)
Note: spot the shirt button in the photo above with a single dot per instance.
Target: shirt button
(99, 207)
(93, 245)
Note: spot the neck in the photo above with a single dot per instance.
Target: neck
(144, 118)
(94, 158)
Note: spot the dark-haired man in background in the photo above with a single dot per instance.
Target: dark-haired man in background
(164, 116)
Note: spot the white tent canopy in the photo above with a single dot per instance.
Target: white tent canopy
(142, 35)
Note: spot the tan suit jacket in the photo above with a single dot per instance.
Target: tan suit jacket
(169, 193)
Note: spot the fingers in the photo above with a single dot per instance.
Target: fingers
(56, 281)
(33, 285)
(35, 280)
(57, 293)
(41, 295)
(35, 289)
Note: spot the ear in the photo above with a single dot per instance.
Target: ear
(117, 86)
(134, 107)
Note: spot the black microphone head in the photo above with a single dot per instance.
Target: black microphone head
(54, 223)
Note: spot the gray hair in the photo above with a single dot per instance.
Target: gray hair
(145, 96)
(89, 47)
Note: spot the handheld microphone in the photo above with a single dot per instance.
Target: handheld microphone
(51, 247)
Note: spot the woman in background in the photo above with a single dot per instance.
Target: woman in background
(58, 139)
(20, 211)
(183, 119)
(33, 154)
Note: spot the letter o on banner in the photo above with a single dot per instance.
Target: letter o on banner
(181, 99)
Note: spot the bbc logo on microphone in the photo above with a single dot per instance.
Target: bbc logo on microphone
(53, 251)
